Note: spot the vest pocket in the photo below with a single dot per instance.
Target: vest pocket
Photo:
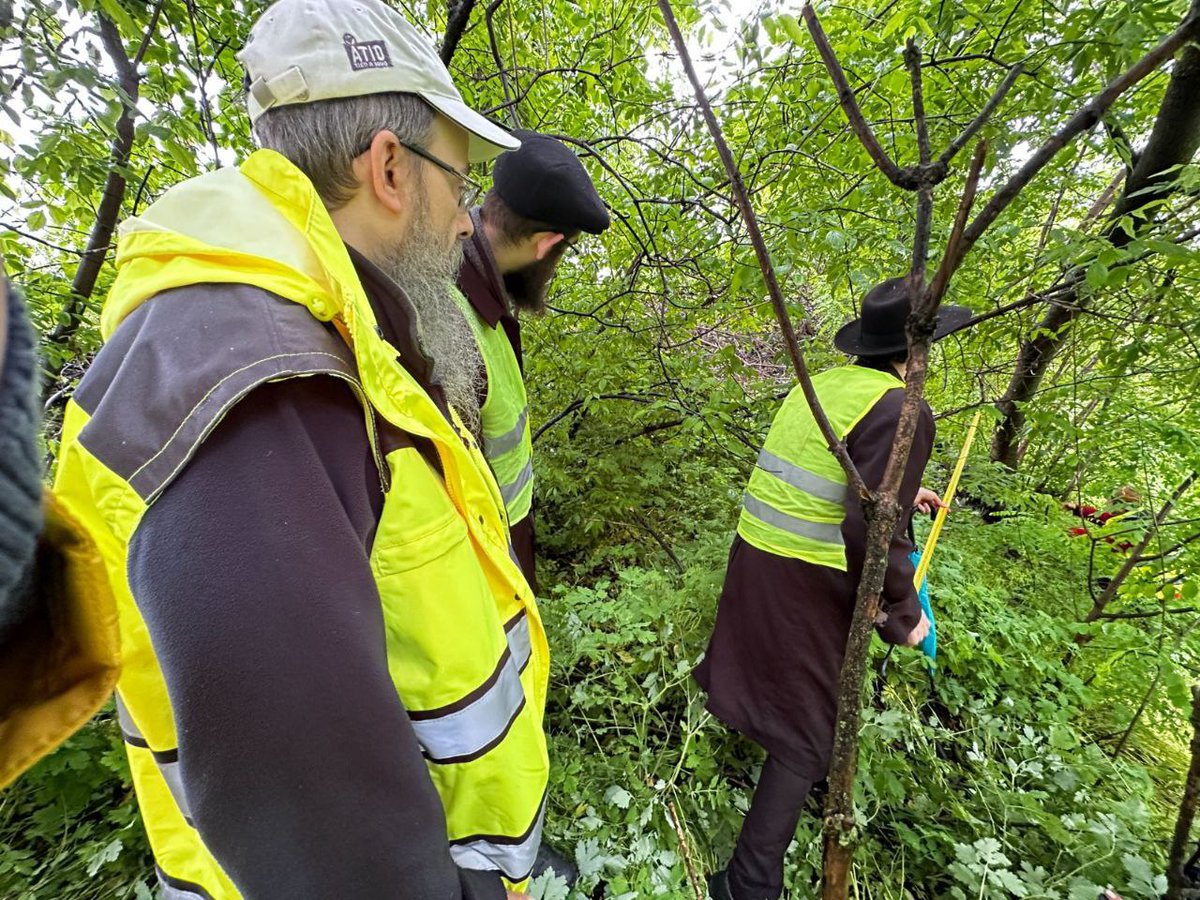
(419, 524)
(445, 635)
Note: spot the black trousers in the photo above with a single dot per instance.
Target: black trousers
(756, 869)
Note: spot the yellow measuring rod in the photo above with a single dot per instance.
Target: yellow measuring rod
(931, 541)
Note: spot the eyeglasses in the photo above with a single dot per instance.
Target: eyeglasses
(468, 189)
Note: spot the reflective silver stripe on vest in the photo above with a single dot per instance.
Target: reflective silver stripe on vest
(826, 532)
(125, 720)
(512, 856)
(520, 644)
(510, 491)
(465, 732)
(168, 892)
(166, 760)
(800, 478)
(497, 447)
(176, 889)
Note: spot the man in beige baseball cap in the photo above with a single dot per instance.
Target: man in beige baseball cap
(333, 671)
(303, 51)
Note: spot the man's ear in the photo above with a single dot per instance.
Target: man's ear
(543, 241)
(383, 170)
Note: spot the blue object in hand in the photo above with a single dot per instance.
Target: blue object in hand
(928, 646)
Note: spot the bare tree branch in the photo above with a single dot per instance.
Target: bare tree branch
(835, 444)
(1150, 613)
(953, 255)
(980, 120)
(849, 104)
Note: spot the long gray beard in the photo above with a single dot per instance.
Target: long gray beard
(426, 272)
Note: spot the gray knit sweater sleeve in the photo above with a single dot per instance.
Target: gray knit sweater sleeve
(20, 468)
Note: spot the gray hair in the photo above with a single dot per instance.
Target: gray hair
(323, 138)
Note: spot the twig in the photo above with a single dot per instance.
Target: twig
(849, 104)
(1151, 613)
(206, 122)
(686, 848)
(980, 120)
(37, 240)
(513, 116)
(836, 446)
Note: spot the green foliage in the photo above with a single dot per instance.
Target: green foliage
(70, 826)
(985, 788)
(657, 373)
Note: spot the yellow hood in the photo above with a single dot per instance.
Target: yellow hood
(261, 224)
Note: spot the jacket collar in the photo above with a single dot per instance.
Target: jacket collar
(492, 302)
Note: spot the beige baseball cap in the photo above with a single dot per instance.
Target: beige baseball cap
(301, 51)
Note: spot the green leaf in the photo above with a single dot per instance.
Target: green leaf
(1096, 275)
(792, 27)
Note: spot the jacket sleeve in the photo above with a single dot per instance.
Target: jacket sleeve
(869, 444)
(299, 763)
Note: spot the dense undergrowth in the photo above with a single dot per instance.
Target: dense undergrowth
(999, 781)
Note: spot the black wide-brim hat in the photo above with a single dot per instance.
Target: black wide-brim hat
(879, 331)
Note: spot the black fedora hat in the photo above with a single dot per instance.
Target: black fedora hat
(880, 329)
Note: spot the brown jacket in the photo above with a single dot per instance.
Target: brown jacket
(58, 619)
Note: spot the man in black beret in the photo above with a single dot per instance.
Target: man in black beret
(541, 200)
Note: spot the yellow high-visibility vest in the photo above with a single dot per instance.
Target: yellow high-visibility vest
(795, 502)
(507, 441)
(465, 645)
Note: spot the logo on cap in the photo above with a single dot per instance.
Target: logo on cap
(366, 54)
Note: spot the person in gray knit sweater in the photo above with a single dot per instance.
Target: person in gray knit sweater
(58, 637)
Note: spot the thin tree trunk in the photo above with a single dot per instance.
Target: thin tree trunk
(109, 210)
(458, 14)
(1187, 809)
(1173, 141)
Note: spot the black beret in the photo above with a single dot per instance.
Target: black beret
(546, 182)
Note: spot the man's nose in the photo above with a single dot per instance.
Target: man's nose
(466, 227)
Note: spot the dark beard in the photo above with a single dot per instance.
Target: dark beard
(529, 285)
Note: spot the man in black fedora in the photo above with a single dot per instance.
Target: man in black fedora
(772, 666)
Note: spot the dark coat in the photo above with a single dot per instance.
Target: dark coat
(772, 666)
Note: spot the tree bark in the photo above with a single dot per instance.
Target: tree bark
(1173, 141)
(458, 14)
(1187, 809)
